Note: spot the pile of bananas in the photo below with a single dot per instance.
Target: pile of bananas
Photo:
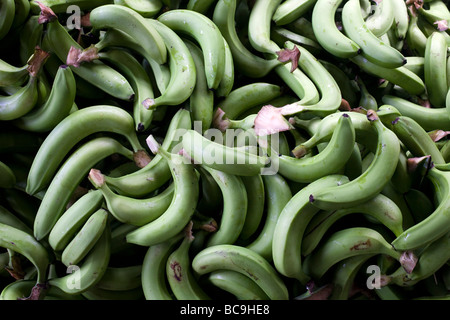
(224, 149)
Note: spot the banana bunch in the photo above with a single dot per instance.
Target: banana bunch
(224, 149)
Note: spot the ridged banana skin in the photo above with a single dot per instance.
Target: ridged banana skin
(370, 182)
(346, 243)
(237, 284)
(85, 239)
(245, 261)
(69, 176)
(291, 225)
(206, 34)
(104, 77)
(372, 47)
(328, 161)
(333, 40)
(90, 271)
(132, 23)
(25, 244)
(73, 218)
(21, 102)
(58, 105)
(70, 131)
(435, 225)
(435, 69)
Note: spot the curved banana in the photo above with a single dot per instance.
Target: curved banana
(256, 196)
(182, 207)
(374, 49)
(435, 69)
(7, 16)
(332, 39)
(371, 181)
(382, 17)
(130, 210)
(401, 19)
(83, 277)
(153, 276)
(7, 177)
(380, 207)
(179, 274)
(156, 173)
(290, 10)
(345, 243)
(85, 239)
(245, 261)
(182, 69)
(73, 218)
(95, 293)
(58, 6)
(132, 23)
(12, 75)
(328, 161)
(280, 35)
(206, 34)
(419, 203)
(433, 226)
(291, 225)
(231, 160)
(435, 11)
(121, 278)
(69, 176)
(415, 37)
(139, 81)
(237, 284)
(45, 117)
(147, 9)
(100, 75)
(200, 6)
(69, 132)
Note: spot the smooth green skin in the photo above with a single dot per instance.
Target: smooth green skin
(346, 243)
(227, 82)
(428, 118)
(21, 102)
(7, 177)
(90, 271)
(58, 105)
(234, 212)
(401, 18)
(433, 226)
(139, 81)
(415, 37)
(245, 261)
(155, 174)
(121, 278)
(183, 73)
(181, 209)
(69, 176)
(327, 34)
(132, 23)
(328, 161)
(12, 75)
(437, 10)
(22, 289)
(25, 244)
(290, 10)
(179, 274)
(153, 277)
(415, 64)
(73, 218)
(420, 204)
(85, 239)
(245, 61)
(371, 181)
(104, 77)
(220, 157)
(259, 23)
(254, 186)
(291, 225)
(206, 34)
(71, 130)
(147, 9)
(242, 287)
(435, 69)
(280, 35)
(200, 6)
(9, 218)
(372, 47)
(6, 17)
(381, 20)
(201, 100)
(381, 208)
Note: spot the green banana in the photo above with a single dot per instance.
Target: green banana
(182, 207)
(85, 239)
(245, 261)
(374, 49)
(416, 65)
(69, 176)
(345, 243)
(254, 186)
(8, 178)
(8, 8)
(381, 19)
(201, 6)
(121, 278)
(435, 72)
(420, 205)
(290, 10)
(45, 117)
(147, 9)
(280, 35)
(371, 181)
(85, 276)
(415, 37)
(12, 75)
(291, 225)
(69, 132)
(73, 218)
(182, 69)
(58, 6)
(96, 294)
(401, 19)
(435, 11)
(130, 210)
(206, 34)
